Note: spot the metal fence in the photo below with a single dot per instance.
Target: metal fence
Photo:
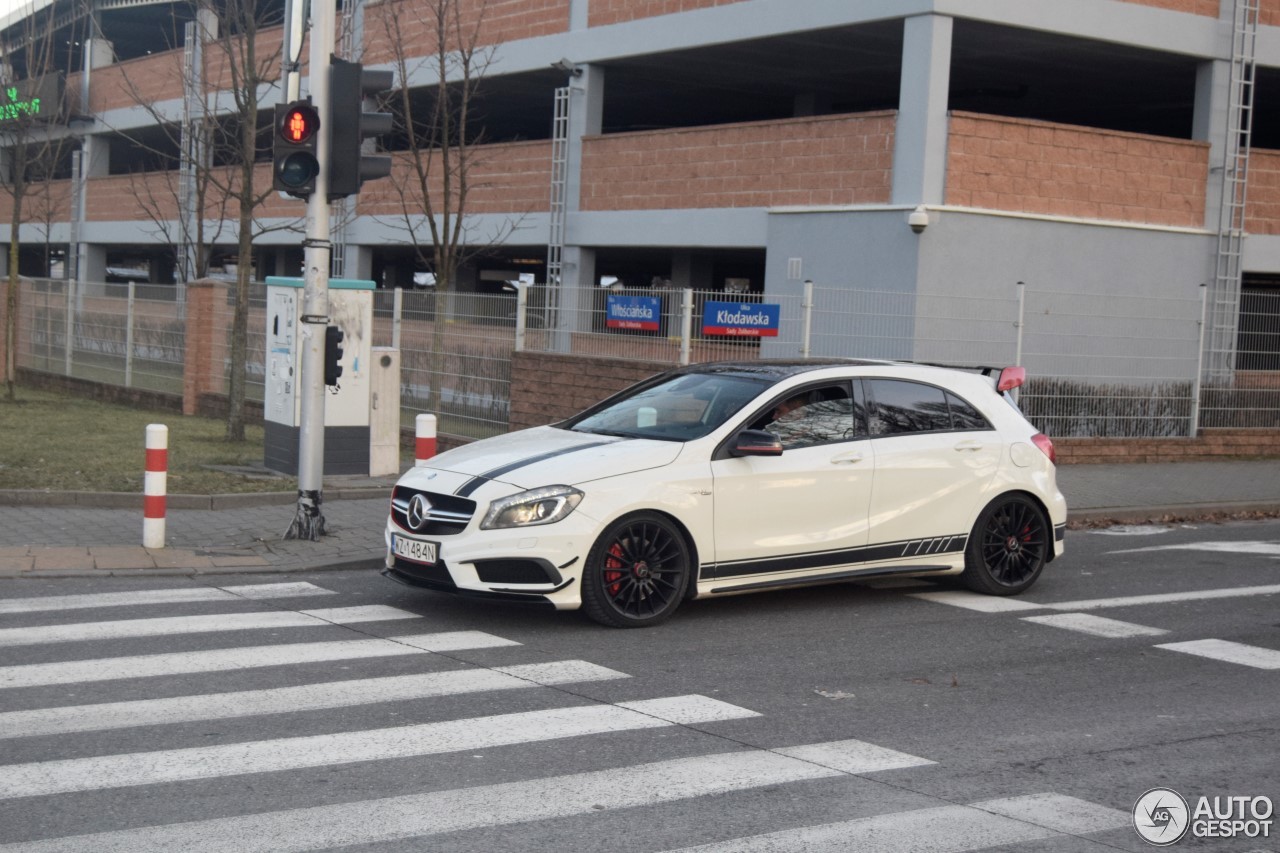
(130, 335)
(456, 344)
(1100, 365)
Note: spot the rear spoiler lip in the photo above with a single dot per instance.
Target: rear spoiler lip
(986, 370)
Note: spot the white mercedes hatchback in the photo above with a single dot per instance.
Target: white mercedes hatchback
(739, 477)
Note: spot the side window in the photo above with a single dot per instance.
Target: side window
(964, 416)
(813, 416)
(906, 407)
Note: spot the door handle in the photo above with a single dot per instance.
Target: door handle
(969, 445)
(847, 458)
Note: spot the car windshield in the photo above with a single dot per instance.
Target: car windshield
(680, 408)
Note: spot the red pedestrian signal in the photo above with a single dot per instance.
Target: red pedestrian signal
(295, 165)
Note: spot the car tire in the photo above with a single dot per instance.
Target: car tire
(1008, 547)
(637, 572)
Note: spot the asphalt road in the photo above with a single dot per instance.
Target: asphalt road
(835, 718)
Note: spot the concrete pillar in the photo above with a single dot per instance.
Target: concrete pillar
(91, 268)
(691, 269)
(586, 118)
(578, 263)
(920, 139)
(204, 364)
(359, 262)
(1209, 124)
(578, 14)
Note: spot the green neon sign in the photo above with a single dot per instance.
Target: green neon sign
(17, 106)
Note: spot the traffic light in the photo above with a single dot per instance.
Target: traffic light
(349, 167)
(332, 354)
(295, 166)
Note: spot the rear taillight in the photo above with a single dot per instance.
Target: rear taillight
(1045, 444)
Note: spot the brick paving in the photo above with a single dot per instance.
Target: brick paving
(43, 541)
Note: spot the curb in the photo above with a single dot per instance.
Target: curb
(130, 500)
(1155, 514)
(372, 563)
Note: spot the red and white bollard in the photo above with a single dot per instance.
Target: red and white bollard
(155, 486)
(424, 439)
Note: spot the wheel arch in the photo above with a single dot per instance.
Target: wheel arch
(1050, 552)
(690, 541)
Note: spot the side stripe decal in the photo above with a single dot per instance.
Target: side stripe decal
(477, 481)
(846, 556)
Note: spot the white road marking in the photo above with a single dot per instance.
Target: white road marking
(1268, 549)
(688, 710)
(159, 596)
(280, 700)
(853, 756)
(235, 759)
(416, 815)
(975, 601)
(1067, 815)
(947, 829)
(170, 625)
(1098, 626)
(1165, 597)
(253, 657)
(1224, 650)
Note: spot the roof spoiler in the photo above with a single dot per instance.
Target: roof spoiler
(1007, 378)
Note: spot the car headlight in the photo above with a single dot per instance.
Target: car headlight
(546, 505)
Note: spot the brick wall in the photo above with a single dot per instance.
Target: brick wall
(145, 80)
(1262, 212)
(510, 177)
(826, 160)
(1211, 444)
(615, 11)
(1041, 167)
(139, 197)
(42, 203)
(546, 387)
(1195, 7)
(404, 22)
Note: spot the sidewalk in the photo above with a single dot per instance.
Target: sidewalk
(61, 541)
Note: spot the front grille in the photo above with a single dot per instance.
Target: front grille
(449, 514)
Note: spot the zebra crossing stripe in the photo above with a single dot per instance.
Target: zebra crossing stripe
(173, 625)
(253, 657)
(415, 815)
(280, 700)
(947, 829)
(1228, 652)
(975, 601)
(180, 595)
(1097, 626)
(234, 759)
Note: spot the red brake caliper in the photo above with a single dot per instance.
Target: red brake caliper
(612, 566)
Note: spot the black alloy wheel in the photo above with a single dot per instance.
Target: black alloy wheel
(1008, 547)
(636, 573)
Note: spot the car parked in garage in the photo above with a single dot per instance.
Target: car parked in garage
(735, 477)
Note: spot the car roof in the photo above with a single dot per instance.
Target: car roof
(780, 368)
(776, 370)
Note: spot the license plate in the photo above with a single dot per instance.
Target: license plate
(412, 549)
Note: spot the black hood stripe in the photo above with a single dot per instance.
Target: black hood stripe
(480, 479)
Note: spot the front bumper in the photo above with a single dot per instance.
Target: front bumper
(537, 565)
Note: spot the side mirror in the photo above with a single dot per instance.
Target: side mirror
(755, 442)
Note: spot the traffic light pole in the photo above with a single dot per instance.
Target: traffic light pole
(308, 521)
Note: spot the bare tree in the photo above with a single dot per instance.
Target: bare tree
(217, 144)
(31, 149)
(444, 149)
